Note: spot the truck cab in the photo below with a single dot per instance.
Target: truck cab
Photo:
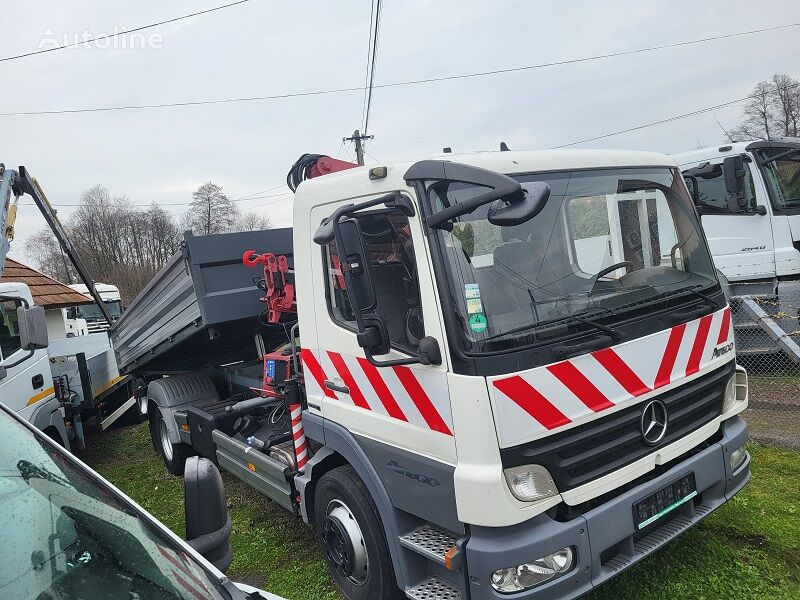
(750, 198)
(531, 348)
(27, 387)
(89, 317)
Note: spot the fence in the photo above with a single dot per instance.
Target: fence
(767, 333)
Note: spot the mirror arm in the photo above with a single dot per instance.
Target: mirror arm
(395, 362)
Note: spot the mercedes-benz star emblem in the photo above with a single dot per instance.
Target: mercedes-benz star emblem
(654, 422)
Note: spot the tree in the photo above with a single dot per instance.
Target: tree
(119, 243)
(772, 110)
(211, 211)
(252, 221)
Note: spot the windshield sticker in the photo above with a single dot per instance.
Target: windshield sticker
(474, 306)
(472, 290)
(478, 323)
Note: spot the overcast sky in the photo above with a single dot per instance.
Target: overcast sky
(267, 47)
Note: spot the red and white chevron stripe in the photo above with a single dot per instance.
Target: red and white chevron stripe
(533, 403)
(416, 396)
(299, 436)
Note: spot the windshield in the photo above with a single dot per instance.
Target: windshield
(66, 536)
(607, 242)
(91, 312)
(783, 176)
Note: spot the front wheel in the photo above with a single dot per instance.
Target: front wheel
(352, 537)
(174, 455)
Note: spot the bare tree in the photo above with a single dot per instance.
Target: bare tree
(252, 221)
(773, 109)
(211, 211)
(119, 243)
(786, 99)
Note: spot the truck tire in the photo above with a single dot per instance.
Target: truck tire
(352, 537)
(174, 455)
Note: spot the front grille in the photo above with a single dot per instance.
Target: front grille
(589, 451)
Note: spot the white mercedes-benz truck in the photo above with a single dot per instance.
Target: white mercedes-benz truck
(504, 374)
(749, 197)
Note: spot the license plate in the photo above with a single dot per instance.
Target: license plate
(663, 501)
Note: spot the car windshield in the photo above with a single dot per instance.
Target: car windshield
(606, 242)
(783, 176)
(92, 311)
(65, 535)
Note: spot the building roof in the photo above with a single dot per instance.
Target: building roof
(47, 293)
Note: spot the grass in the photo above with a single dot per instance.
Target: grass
(749, 548)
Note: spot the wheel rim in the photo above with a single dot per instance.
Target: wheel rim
(143, 405)
(344, 543)
(166, 445)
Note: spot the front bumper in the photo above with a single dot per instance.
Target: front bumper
(603, 538)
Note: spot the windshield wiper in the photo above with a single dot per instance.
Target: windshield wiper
(615, 334)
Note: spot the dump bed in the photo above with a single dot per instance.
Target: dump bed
(200, 307)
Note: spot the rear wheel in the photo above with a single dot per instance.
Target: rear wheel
(174, 455)
(352, 537)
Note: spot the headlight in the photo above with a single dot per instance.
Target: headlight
(530, 483)
(522, 577)
(730, 394)
(737, 457)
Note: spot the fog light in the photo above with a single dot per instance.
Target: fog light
(528, 575)
(530, 483)
(737, 457)
(730, 394)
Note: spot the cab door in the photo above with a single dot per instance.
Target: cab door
(741, 242)
(28, 384)
(404, 406)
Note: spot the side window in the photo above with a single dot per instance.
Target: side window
(9, 328)
(714, 194)
(387, 237)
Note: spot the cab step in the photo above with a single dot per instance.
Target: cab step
(433, 588)
(429, 541)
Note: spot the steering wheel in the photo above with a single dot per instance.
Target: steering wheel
(627, 264)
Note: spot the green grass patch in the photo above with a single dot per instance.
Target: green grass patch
(749, 548)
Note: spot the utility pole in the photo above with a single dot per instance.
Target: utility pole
(357, 139)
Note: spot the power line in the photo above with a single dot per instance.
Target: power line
(369, 53)
(662, 121)
(398, 83)
(373, 63)
(244, 199)
(121, 33)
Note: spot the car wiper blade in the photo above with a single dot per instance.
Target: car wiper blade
(615, 334)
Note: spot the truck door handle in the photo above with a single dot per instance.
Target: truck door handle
(342, 389)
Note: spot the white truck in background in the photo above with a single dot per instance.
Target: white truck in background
(749, 196)
(89, 317)
(54, 384)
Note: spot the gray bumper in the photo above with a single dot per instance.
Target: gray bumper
(608, 530)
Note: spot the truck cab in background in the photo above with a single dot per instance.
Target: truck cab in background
(749, 194)
(26, 381)
(89, 317)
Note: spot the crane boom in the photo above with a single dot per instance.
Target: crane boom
(16, 183)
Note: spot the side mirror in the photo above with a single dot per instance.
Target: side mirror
(505, 213)
(355, 262)
(733, 171)
(429, 352)
(32, 328)
(208, 526)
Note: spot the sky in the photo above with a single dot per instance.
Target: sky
(265, 47)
